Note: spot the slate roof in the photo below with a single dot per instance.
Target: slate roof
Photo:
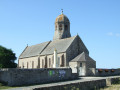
(47, 47)
(82, 57)
(60, 45)
(34, 50)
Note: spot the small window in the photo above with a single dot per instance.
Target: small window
(27, 64)
(62, 61)
(60, 27)
(23, 64)
(49, 62)
(66, 27)
(80, 64)
(42, 63)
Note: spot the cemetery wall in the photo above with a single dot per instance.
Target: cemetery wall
(18, 77)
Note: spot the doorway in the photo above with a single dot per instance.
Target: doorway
(81, 70)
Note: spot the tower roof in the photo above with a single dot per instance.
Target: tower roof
(62, 18)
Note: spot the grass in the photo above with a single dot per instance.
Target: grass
(112, 87)
(115, 86)
(4, 86)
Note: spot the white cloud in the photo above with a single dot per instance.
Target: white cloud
(110, 34)
(117, 34)
(113, 34)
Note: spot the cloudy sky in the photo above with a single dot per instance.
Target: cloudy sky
(31, 22)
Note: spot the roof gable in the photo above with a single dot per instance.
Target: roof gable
(82, 57)
(60, 45)
(34, 50)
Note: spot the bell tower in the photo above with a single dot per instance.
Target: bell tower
(62, 27)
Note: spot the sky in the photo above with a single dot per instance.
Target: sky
(31, 22)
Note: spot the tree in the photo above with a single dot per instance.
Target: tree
(7, 58)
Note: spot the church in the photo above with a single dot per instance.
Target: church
(63, 51)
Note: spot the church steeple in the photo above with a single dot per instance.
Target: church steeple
(62, 27)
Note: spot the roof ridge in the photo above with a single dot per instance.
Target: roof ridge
(23, 51)
(39, 43)
(45, 47)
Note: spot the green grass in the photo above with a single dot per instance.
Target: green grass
(112, 87)
(115, 86)
(4, 86)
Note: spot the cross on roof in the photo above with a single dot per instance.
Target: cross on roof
(62, 11)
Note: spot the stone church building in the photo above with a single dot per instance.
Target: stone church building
(62, 51)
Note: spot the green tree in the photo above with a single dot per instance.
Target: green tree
(7, 58)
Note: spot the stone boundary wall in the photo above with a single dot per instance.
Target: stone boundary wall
(18, 77)
(84, 85)
(107, 72)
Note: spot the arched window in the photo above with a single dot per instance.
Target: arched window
(23, 64)
(62, 61)
(80, 64)
(42, 63)
(60, 27)
(66, 27)
(27, 64)
(45, 62)
(49, 62)
(38, 63)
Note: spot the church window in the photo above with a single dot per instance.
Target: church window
(27, 64)
(38, 63)
(80, 64)
(60, 27)
(23, 64)
(42, 63)
(66, 27)
(45, 62)
(49, 62)
(62, 61)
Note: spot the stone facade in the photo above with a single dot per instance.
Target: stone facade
(31, 62)
(67, 47)
(83, 64)
(45, 61)
(62, 27)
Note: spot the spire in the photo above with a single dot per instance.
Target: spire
(62, 11)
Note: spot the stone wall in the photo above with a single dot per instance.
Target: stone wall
(107, 72)
(17, 77)
(86, 85)
(82, 85)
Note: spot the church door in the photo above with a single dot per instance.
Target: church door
(81, 70)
